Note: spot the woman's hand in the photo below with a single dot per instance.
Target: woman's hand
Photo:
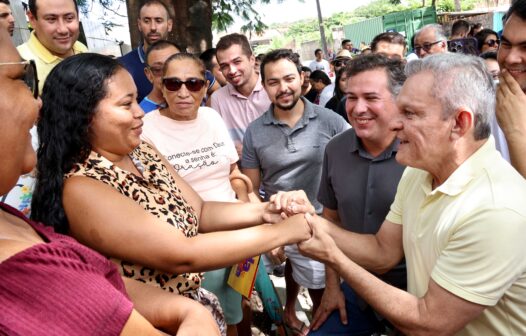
(289, 203)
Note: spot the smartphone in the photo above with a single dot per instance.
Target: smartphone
(466, 45)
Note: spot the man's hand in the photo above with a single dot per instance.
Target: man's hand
(291, 202)
(320, 246)
(331, 300)
(511, 106)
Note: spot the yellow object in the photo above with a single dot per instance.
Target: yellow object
(243, 275)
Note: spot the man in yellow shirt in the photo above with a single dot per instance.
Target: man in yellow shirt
(458, 216)
(55, 34)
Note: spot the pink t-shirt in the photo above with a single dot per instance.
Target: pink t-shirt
(200, 150)
(237, 110)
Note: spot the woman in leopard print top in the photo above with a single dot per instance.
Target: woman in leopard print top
(98, 182)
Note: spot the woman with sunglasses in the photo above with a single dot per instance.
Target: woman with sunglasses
(487, 40)
(50, 283)
(116, 194)
(196, 142)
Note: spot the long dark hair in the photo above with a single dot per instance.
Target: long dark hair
(70, 98)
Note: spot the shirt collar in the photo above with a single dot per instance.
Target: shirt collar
(39, 49)
(356, 145)
(467, 171)
(140, 52)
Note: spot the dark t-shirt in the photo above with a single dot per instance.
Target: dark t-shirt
(60, 287)
(359, 187)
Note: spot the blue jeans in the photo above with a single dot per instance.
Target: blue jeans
(361, 322)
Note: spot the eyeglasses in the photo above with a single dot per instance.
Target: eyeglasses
(175, 84)
(425, 46)
(30, 75)
(492, 42)
(156, 71)
(340, 63)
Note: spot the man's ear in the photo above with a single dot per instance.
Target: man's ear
(170, 24)
(148, 74)
(32, 18)
(464, 122)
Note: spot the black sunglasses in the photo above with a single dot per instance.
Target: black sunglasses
(492, 42)
(339, 63)
(30, 76)
(175, 84)
(426, 46)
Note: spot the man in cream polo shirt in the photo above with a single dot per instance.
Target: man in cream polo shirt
(55, 34)
(458, 216)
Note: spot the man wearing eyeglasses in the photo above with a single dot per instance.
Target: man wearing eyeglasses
(55, 32)
(156, 55)
(511, 91)
(7, 21)
(430, 40)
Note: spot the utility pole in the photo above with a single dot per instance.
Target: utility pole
(322, 30)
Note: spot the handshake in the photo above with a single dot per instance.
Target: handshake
(293, 211)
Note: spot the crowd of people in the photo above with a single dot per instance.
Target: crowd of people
(390, 186)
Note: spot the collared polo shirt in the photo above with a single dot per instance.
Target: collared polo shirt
(45, 61)
(468, 236)
(291, 158)
(237, 110)
(361, 188)
(134, 62)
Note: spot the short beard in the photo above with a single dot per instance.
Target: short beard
(288, 107)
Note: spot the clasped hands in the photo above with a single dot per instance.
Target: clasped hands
(295, 205)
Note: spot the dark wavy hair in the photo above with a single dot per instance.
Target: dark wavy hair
(70, 97)
(482, 35)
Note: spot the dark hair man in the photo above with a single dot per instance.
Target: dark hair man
(283, 150)
(347, 44)
(7, 21)
(391, 44)
(460, 29)
(511, 97)
(243, 99)
(319, 62)
(54, 37)
(154, 23)
(156, 56)
(354, 161)
(209, 58)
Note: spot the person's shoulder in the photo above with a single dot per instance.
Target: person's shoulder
(79, 47)
(25, 51)
(130, 58)
(342, 139)
(209, 114)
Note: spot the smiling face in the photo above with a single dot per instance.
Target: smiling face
(154, 23)
(370, 108)
(512, 52)
(183, 104)
(237, 67)
(283, 83)
(18, 112)
(117, 123)
(425, 136)
(56, 25)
